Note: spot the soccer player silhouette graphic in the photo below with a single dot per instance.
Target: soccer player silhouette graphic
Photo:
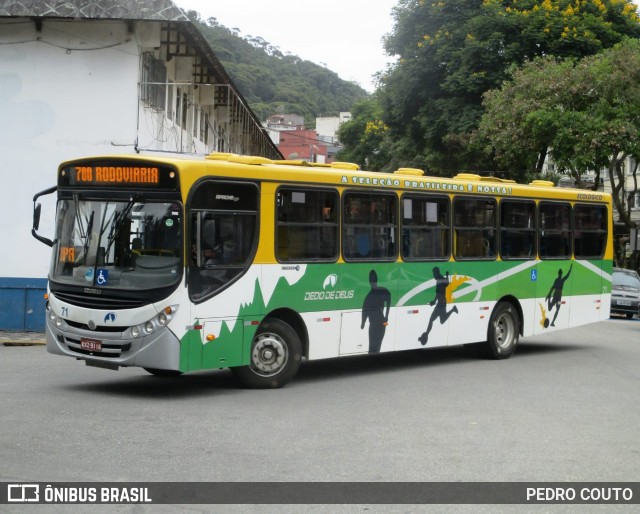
(554, 296)
(376, 309)
(440, 301)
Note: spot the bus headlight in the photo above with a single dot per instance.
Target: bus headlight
(159, 321)
(55, 319)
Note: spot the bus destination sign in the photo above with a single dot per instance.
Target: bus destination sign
(126, 175)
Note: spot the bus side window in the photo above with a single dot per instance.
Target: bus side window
(590, 234)
(224, 232)
(517, 229)
(306, 226)
(369, 229)
(555, 230)
(425, 227)
(475, 223)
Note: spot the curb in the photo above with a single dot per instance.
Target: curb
(22, 339)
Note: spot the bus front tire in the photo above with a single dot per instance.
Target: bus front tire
(504, 331)
(276, 354)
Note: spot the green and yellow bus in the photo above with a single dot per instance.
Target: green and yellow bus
(177, 265)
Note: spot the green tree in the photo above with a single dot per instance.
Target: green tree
(451, 51)
(584, 114)
(363, 137)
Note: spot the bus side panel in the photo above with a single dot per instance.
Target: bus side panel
(518, 279)
(416, 290)
(589, 288)
(367, 292)
(473, 291)
(555, 291)
(220, 342)
(605, 304)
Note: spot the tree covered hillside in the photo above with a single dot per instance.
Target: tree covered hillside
(276, 82)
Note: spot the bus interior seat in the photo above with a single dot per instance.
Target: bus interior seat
(363, 245)
(471, 245)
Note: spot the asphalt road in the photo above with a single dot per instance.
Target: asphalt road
(566, 407)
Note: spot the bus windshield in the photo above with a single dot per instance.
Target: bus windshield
(117, 244)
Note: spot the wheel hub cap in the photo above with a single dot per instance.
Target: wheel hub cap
(269, 354)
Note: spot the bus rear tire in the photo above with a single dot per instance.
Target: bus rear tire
(504, 331)
(275, 358)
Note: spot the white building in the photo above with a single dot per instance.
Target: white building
(327, 127)
(81, 77)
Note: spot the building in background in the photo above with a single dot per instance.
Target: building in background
(304, 145)
(103, 77)
(327, 127)
(296, 142)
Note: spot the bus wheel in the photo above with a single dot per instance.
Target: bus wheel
(276, 354)
(163, 372)
(504, 330)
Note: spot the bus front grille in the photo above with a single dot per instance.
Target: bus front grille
(110, 350)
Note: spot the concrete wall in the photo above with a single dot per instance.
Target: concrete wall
(67, 91)
(73, 92)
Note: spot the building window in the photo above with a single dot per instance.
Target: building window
(204, 126)
(185, 110)
(154, 76)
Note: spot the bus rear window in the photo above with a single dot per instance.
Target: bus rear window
(590, 235)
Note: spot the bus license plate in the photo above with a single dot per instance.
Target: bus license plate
(626, 303)
(91, 344)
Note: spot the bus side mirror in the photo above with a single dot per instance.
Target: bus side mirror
(37, 211)
(36, 216)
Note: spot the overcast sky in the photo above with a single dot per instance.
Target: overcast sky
(344, 35)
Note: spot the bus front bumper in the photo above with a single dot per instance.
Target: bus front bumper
(159, 350)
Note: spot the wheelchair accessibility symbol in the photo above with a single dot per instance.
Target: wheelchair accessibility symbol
(534, 275)
(103, 277)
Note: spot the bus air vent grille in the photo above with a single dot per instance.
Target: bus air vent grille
(99, 302)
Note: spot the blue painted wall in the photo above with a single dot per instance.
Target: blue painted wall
(22, 304)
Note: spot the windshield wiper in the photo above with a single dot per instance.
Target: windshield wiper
(118, 218)
(87, 235)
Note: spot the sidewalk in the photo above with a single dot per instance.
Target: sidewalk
(22, 338)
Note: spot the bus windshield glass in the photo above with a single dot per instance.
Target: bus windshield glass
(117, 244)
